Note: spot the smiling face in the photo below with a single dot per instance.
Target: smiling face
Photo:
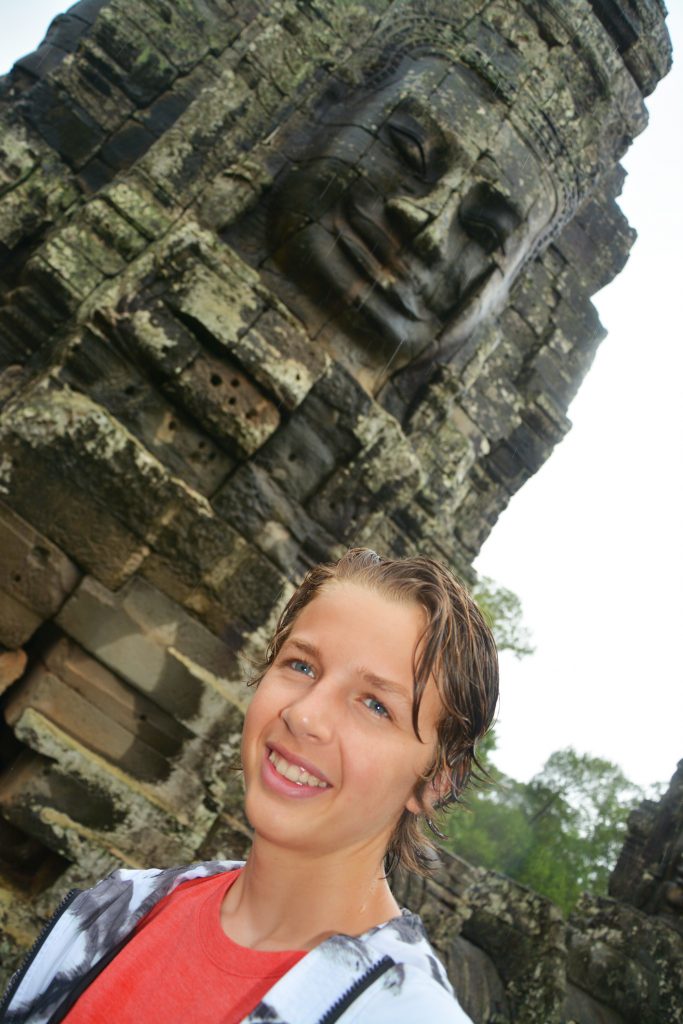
(330, 756)
(412, 211)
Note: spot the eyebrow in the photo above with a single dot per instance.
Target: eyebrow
(379, 682)
(421, 113)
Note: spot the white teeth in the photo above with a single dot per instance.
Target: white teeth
(293, 772)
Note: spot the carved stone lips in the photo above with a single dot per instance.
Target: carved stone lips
(374, 253)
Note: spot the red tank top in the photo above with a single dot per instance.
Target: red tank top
(180, 966)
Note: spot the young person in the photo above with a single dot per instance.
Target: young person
(378, 681)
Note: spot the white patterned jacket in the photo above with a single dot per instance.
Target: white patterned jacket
(389, 975)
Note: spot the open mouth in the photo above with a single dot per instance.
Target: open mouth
(295, 773)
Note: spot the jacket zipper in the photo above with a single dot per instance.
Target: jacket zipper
(20, 973)
(359, 986)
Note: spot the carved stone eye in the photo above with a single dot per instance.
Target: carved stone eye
(487, 217)
(483, 234)
(408, 147)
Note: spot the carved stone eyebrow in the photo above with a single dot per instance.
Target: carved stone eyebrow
(440, 143)
(413, 114)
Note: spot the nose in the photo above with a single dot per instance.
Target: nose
(431, 237)
(405, 216)
(441, 241)
(310, 716)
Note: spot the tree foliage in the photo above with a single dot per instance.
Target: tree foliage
(502, 610)
(560, 833)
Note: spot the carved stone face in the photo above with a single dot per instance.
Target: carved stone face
(410, 212)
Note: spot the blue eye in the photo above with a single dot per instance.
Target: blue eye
(376, 707)
(302, 666)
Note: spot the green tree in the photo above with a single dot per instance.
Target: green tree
(559, 834)
(502, 609)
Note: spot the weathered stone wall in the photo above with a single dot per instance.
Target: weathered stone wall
(179, 441)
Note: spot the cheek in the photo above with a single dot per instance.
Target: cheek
(309, 193)
(261, 710)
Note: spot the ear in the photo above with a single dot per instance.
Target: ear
(425, 798)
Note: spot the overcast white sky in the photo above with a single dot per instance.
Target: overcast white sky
(592, 544)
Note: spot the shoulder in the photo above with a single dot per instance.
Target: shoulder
(122, 898)
(405, 940)
(86, 926)
(406, 994)
(416, 987)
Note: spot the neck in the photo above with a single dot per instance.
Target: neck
(286, 900)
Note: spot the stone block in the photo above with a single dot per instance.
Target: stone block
(39, 441)
(134, 61)
(73, 800)
(148, 640)
(223, 306)
(581, 1008)
(213, 573)
(480, 989)
(535, 297)
(94, 91)
(35, 578)
(298, 459)
(132, 197)
(82, 236)
(252, 503)
(69, 266)
(128, 707)
(483, 501)
(578, 320)
(34, 203)
(26, 865)
(99, 717)
(12, 665)
(19, 155)
(193, 760)
(127, 145)
(524, 451)
(385, 474)
(113, 229)
(46, 281)
(226, 403)
(280, 356)
(94, 366)
(494, 404)
(152, 334)
(75, 714)
(178, 31)
(65, 126)
(165, 110)
(17, 620)
(627, 960)
(318, 438)
(36, 313)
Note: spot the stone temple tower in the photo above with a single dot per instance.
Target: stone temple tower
(277, 278)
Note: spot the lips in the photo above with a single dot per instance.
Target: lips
(296, 769)
(378, 257)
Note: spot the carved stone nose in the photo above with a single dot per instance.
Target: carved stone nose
(405, 216)
(434, 244)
